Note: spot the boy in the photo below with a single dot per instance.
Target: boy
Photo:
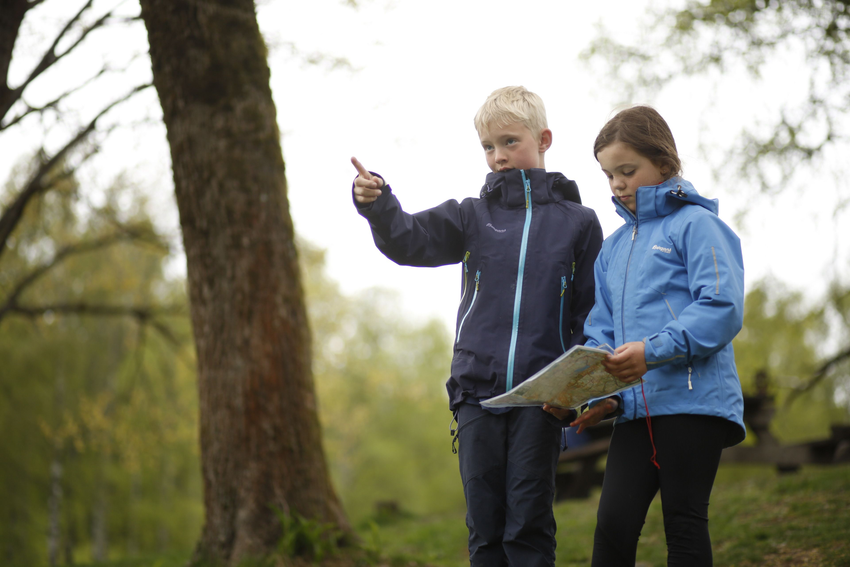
(527, 247)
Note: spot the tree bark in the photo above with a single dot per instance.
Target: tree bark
(259, 430)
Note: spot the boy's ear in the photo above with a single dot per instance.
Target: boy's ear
(545, 140)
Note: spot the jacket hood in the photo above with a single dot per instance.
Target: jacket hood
(546, 187)
(661, 200)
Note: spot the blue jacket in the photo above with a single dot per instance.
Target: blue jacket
(527, 248)
(673, 277)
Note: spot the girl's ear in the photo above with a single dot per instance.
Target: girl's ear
(545, 140)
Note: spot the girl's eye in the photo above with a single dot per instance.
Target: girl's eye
(629, 173)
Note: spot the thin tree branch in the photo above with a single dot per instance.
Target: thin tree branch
(50, 57)
(53, 103)
(818, 375)
(11, 303)
(12, 215)
(142, 313)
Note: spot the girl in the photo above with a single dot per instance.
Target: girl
(670, 296)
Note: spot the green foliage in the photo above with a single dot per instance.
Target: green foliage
(758, 517)
(305, 537)
(786, 340)
(384, 412)
(716, 37)
(105, 402)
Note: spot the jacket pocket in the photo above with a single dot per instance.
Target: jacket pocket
(471, 305)
(565, 298)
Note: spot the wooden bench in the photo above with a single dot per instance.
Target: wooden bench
(577, 468)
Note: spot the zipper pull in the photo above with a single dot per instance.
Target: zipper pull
(690, 386)
(563, 285)
(634, 232)
(465, 260)
(573, 275)
(477, 277)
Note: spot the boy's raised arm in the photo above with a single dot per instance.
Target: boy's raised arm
(367, 187)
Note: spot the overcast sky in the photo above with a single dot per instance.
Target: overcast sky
(420, 71)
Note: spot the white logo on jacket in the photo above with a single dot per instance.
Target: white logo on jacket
(662, 249)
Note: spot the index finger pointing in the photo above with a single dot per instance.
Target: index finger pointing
(360, 169)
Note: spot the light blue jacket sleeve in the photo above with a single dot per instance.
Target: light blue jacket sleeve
(599, 325)
(712, 255)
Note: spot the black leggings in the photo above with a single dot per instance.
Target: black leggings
(689, 448)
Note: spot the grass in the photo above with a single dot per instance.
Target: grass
(758, 518)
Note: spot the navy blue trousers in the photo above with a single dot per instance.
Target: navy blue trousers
(507, 464)
(689, 448)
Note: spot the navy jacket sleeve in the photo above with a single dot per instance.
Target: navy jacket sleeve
(433, 237)
(587, 249)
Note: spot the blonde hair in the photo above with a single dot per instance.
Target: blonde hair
(512, 104)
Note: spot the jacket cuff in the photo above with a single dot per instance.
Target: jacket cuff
(658, 350)
(616, 413)
(385, 189)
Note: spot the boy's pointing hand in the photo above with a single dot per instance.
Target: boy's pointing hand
(367, 187)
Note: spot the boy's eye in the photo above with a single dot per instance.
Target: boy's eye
(510, 141)
(487, 148)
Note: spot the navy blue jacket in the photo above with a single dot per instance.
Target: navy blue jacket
(527, 247)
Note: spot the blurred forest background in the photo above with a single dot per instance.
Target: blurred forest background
(99, 454)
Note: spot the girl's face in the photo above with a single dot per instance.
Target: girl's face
(627, 170)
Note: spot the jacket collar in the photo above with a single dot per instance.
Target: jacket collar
(661, 200)
(546, 187)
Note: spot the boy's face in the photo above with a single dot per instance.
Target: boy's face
(627, 170)
(513, 146)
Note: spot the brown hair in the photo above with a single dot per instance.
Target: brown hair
(642, 128)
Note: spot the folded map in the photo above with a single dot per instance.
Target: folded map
(570, 381)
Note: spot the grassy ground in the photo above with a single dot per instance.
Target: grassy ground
(758, 518)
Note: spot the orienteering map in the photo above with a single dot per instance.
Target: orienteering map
(570, 381)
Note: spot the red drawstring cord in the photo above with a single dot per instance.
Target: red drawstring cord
(649, 425)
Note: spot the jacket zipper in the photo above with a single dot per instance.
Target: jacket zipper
(520, 270)
(625, 282)
(471, 303)
(465, 272)
(561, 316)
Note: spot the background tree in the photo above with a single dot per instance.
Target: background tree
(783, 339)
(261, 444)
(384, 412)
(98, 413)
(716, 37)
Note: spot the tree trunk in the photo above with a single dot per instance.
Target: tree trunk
(259, 430)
